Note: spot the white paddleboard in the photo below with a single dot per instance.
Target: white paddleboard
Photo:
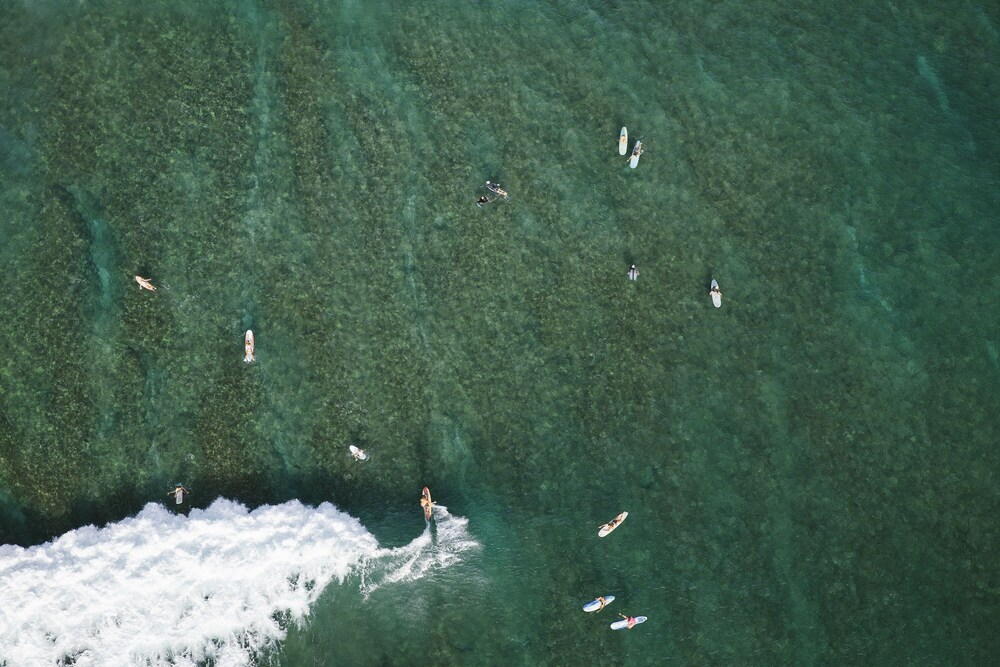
(611, 525)
(622, 624)
(595, 605)
(716, 297)
(634, 160)
(358, 453)
(623, 141)
(248, 347)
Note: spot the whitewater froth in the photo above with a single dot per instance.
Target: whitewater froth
(164, 589)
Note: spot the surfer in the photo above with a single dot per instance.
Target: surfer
(629, 621)
(248, 345)
(483, 200)
(426, 503)
(633, 273)
(178, 493)
(637, 151)
(603, 602)
(359, 454)
(715, 291)
(145, 284)
(497, 190)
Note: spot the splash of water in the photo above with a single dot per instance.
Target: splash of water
(219, 585)
(428, 552)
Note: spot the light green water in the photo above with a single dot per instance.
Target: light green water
(810, 470)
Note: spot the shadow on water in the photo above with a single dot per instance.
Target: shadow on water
(375, 504)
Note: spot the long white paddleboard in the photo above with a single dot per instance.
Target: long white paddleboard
(716, 296)
(634, 160)
(595, 605)
(623, 141)
(611, 525)
(358, 453)
(622, 624)
(248, 347)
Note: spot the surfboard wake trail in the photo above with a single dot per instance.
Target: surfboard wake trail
(435, 549)
(160, 588)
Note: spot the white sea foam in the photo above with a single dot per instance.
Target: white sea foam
(221, 584)
(421, 556)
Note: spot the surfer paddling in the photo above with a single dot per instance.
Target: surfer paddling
(636, 152)
(611, 525)
(145, 284)
(178, 493)
(603, 602)
(497, 190)
(248, 347)
(633, 273)
(716, 294)
(630, 621)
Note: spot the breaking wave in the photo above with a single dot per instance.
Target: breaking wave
(216, 586)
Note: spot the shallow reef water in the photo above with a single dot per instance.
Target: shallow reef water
(810, 470)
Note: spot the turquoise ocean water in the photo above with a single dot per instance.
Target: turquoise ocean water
(810, 471)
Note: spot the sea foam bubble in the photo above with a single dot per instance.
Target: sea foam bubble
(219, 585)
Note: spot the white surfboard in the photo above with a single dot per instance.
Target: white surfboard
(623, 141)
(611, 525)
(622, 624)
(636, 152)
(358, 453)
(179, 495)
(595, 605)
(248, 347)
(716, 296)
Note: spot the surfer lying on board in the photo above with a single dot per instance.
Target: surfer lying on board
(715, 290)
(629, 620)
(145, 284)
(483, 200)
(633, 273)
(497, 190)
(603, 602)
(636, 152)
(425, 503)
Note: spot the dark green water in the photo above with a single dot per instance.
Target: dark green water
(810, 471)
